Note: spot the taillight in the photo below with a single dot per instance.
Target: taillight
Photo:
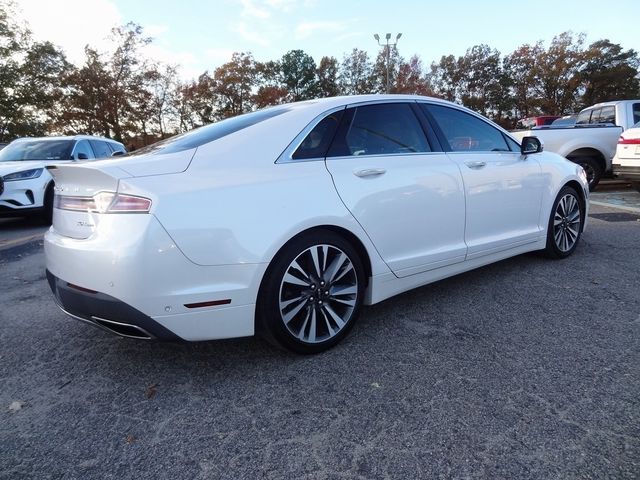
(104, 202)
(628, 141)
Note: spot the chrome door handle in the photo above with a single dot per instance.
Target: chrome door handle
(369, 172)
(476, 165)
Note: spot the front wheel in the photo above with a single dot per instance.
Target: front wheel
(565, 224)
(312, 293)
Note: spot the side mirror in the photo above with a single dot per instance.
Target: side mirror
(530, 145)
(117, 154)
(83, 156)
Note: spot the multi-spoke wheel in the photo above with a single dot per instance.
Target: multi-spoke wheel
(565, 224)
(312, 293)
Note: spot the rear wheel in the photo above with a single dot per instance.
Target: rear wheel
(312, 293)
(636, 186)
(565, 224)
(592, 168)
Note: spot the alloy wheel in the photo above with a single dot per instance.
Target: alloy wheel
(566, 222)
(318, 293)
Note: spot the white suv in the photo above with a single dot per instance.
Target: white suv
(26, 187)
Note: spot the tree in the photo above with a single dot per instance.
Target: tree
(609, 73)
(271, 90)
(30, 79)
(379, 72)
(299, 75)
(327, 74)
(480, 73)
(520, 69)
(411, 78)
(234, 82)
(445, 78)
(355, 76)
(558, 75)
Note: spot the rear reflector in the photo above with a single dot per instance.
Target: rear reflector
(212, 303)
(82, 289)
(629, 141)
(103, 202)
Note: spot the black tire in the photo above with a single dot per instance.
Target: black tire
(592, 168)
(565, 224)
(636, 186)
(47, 211)
(289, 314)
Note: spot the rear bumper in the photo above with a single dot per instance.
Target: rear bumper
(627, 172)
(106, 312)
(129, 271)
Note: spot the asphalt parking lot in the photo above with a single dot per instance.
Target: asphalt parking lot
(526, 369)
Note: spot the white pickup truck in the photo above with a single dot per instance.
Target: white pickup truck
(592, 141)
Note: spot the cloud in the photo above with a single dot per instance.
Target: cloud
(307, 29)
(250, 35)
(71, 25)
(251, 9)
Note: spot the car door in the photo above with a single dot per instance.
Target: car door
(503, 188)
(407, 195)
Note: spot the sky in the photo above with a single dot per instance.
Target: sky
(202, 35)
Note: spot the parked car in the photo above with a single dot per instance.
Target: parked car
(532, 122)
(592, 142)
(288, 219)
(626, 162)
(27, 185)
(566, 121)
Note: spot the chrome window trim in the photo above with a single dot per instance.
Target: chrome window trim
(287, 155)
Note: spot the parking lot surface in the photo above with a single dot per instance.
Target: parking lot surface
(526, 369)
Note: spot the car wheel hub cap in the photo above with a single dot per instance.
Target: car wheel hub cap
(318, 293)
(566, 222)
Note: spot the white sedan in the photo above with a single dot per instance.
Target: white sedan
(285, 221)
(626, 162)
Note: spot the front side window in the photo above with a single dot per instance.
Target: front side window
(384, 129)
(101, 148)
(316, 143)
(83, 151)
(467, 133)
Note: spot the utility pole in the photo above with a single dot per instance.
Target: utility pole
(387, 46)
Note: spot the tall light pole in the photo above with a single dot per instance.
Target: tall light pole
(388, 49)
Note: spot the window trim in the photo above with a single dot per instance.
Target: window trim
(287, 155)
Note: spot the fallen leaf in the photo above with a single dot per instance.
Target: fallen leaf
(15, 406)
(130, 439)
(151, 390)
(375, 385)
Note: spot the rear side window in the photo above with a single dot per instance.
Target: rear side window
(316, 143)
(465, 132)
(100, 148)
(384, 129)
(608, 115)
(584, 117)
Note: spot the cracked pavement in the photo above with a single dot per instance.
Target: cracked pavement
(525, 369)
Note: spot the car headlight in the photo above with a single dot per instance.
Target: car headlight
(24, 175)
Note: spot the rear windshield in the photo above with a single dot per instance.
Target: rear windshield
(209, 133)
(37, 150)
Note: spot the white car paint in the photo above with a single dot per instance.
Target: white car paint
(221, 212)
(626, 162)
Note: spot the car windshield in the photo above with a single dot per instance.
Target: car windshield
(37, 150)
(209, 133)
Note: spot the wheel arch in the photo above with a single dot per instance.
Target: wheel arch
(590, 153)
